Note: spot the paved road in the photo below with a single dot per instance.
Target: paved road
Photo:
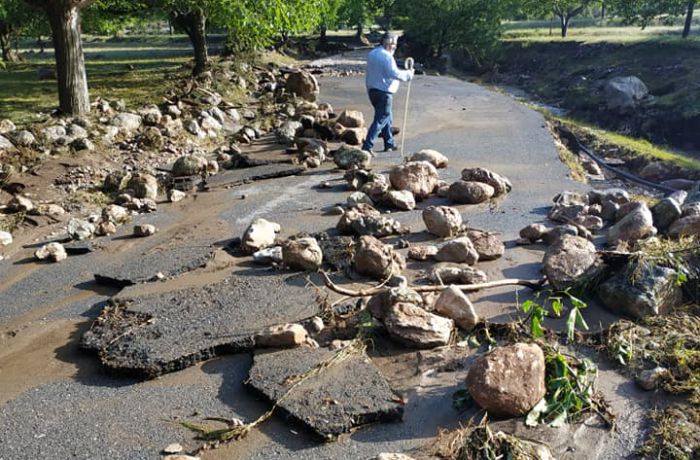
(55, 402)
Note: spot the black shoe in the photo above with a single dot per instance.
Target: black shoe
(393, 148)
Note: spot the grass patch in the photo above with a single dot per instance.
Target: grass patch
(675, 436)
(92, 197)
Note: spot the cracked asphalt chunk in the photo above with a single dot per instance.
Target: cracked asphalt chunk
(234, 177)
(339, 398)
(161, 263)
(154, 334)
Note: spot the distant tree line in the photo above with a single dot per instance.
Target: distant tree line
(471, 26)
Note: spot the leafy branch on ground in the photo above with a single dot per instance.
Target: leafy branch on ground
(553, 306)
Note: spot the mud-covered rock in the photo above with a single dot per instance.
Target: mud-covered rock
(144, 230)
(349, 157)
(418, 177)
(400, 199)
(569, 260)
(282, 336)
(376, 259)
(449, 273)
(442, 221)
(414, 327)
(302, 254)
(143, 186)
(363, 219)
(463, 192)
(189, 165)
(454, 304)
(500, 184)
(459, 250)
(303, 84)
(487, 245)
(422, 253)
(508, 381)
(351, 119)
(433, 157)
(533, 232)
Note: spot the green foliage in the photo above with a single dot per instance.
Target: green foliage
(471, 26)
(462, 400)
(553, 305)
(643, 12)
(570, 390)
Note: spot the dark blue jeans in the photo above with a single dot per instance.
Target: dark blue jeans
(381, 101)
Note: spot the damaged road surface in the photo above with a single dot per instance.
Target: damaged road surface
(159, 333)
(342, 396)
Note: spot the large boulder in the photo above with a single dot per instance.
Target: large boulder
(685, 226)
(624, 93)
(260, 234)
(666, 212)
(303, 85)
(459, 250)
(363, 219)
(302, 254)
(568, 260)
(353, 136)
(500, 184)
(287, 133)
(433, 157)
(351, 119)
(471, 192)
(509, 381)
(5, 144)
(189, 165)
(376, 259)
(442, 221)
(6, 126)
(349, 157)
(143, 186)
(400, 199)
(636, 225)
(414, 327)
(126, 121)
(641, 291)
(454, 304)
(418, 177)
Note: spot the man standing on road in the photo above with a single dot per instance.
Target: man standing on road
(382, 81)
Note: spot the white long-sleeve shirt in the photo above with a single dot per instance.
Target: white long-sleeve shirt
(382, 72)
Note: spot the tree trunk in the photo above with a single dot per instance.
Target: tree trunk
(42, 45)
(194, 23)
(5, 46)
(689, 18)
(358, 31)
(73, 94)
(323, 37)
(603, 10)
(564, 25)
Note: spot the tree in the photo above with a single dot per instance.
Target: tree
(356, 13)
(15, 17)
(642, 12)
(329, 17)
(565, 10)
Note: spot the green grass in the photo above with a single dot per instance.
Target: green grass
(109, 62)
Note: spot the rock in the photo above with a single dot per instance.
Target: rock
(623, 94)
(500, 184)
(363, 219)
(55, 252)
(418, 177)
(282, 336)
(174, 448)
(442, 221)
(303, 85)
(592, 168)
(287, 133)
(422, 252)
(636, 225)
(509, 381)
(20, 203)
(175, 195)
(414, 327)
(302, 254)
(6, 126)
(400, 199)
(459, 250)
(616, 195)
(143, 186)
(680, 184)
(105, 227)
(5, 238)
(126, 121)
(685, 226)
(268, 255)
(650, 379)
(351, 119)
(353, 136)
(22, 138)
(144, 230)
(379, 304)
(487, 245)
(569, 260)
(462, 192)
(376, 259)
(392, 456)
(5, 144)
(114, 182)
(591, 223)
(83, 144)
(449, 273)
(348, 157)
(433, 157)
(356, 198)
(315, 325)
(260, 234)
(453, 304)
(75, 132)
(665, 213)
(189, 165)
(656, 171)
(348, 394)
(180, 457)
(533, 232)
(641, 291)
(555, 234)
(691, 209)
(116, 214)
(53, 134)
(79, 229)
(192, 127)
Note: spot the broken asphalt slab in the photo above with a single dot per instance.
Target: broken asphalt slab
(233, 177)
(159, 333)
(155, 264)
(340, 397)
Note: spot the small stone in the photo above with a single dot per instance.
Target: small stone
(685, 226)
(418, 177)
(316, 325)
(665, 213)
(116, 214)
(55, 252)
(553, 235)
(5, 238)
(448, 273)
(174, 448)
(144, 230)
(533, 232)
(459, 250)
(359, 197)
(433, 157)
(454, 304)
(442, 221)
(105, 227)
(649, 379)
(189, 165)
(422, 252)
(400, 199)
(175, 195)
(463, 192)
(20, 204)
(79, 229)
(260, 234)
(392, 456)
(282, 336)
(351, 119)
(302, 254)
(180, 457)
